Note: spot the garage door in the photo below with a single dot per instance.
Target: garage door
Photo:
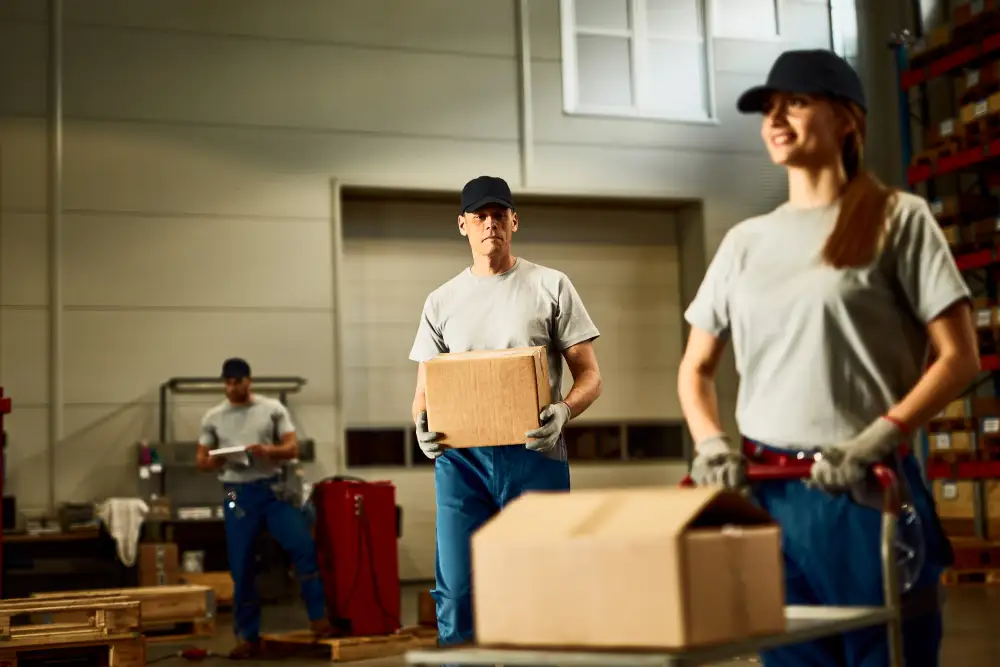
(624, 263)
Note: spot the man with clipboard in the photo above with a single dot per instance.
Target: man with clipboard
(245, 438)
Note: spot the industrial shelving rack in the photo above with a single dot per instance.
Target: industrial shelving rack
(956, 169)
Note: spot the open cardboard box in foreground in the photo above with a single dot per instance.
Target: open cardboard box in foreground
(658, 568)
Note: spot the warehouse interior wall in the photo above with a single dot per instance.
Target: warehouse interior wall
(199, 146)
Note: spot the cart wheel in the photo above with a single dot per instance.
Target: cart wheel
(910, 547)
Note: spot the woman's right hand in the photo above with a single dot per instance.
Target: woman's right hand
(718, 463)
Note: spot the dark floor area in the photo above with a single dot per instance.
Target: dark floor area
(972, 631)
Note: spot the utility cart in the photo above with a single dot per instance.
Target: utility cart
(804, 623)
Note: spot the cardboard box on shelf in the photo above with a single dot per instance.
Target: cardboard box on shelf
(159, 564)
(485, 398)
(960, 440)
(663, 568)
(954, 499)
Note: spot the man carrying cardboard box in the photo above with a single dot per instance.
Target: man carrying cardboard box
(500, 302)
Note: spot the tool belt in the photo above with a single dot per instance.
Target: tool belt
(759, 453)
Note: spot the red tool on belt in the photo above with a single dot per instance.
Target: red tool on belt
(801, 469)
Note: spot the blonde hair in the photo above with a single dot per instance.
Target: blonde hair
(861, 228)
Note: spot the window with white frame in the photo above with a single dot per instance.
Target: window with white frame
(637, 58)
(757, 20)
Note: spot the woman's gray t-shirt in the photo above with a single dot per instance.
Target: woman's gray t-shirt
(822, 352)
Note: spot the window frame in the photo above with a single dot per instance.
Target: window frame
(639, 39)
(779, 24)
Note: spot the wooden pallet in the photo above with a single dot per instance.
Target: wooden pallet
(169, 613)
(106, 627)
(129, 652)
(971, 578)
(302, 644)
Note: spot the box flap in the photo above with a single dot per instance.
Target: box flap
(642, 512)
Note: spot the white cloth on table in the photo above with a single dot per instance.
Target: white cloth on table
(123, 519)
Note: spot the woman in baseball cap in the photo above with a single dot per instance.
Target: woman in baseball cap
(831, 302)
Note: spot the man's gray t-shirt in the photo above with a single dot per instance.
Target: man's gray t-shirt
(263, 420)
(822, 352)
(527, 306)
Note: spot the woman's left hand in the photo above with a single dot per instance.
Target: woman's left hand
(843, 466)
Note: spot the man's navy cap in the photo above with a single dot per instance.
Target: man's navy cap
(235, 369)
(484, 190)
(807, 72)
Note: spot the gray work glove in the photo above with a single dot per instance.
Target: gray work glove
(843, 466)
(428, 440)
(717, 463)
(553, 418)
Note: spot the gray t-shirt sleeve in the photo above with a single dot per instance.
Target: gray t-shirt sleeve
(573, 324)
(925, 267)
(283, 420)
(208, 436)
(429, 342)
(709, 310)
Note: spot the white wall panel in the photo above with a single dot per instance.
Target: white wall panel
(22, 164)
(208, 79)
(23, 59)
(24, 355)
(26, 473)
(141, 261)
(444, 26)
(680, 173)
(122, 356)
(23, 259)
(247, 172)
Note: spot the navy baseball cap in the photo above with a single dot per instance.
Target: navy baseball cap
(235, 369)
(485, 190)
(807, 72)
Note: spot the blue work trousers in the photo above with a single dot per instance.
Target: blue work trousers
(248, 507)
(471, 486)
(832, 556)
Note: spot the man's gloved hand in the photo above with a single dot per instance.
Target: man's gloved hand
(843, 466)
(717, 463)
(553, 418)
(427, 439)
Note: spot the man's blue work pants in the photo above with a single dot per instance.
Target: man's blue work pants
(831, 548)
(248, 508)
(471, 486)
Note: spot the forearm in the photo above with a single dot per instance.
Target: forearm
(586, 389)
(419, 405)
(942, 382)
(286, 450)
(699, 403)
(203, 461)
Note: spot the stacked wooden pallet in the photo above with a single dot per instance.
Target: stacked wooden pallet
(169, 613)
(104, 628)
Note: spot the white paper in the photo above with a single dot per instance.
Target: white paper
(227, 451)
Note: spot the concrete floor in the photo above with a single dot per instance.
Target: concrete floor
(972, 631)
